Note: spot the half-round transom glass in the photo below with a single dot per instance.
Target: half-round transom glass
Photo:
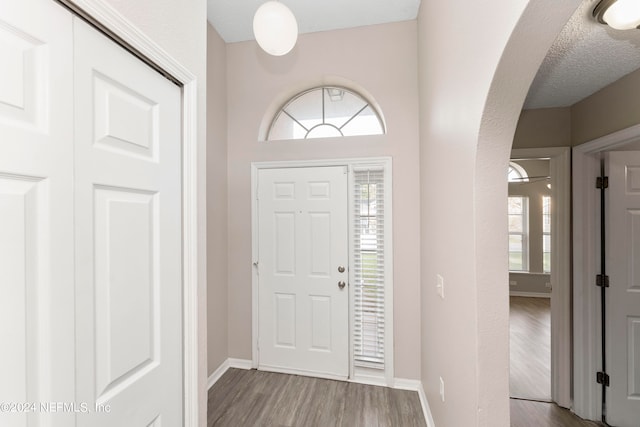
(325, 112)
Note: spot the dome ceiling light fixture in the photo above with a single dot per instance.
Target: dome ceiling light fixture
(275, 28)
(618, 14)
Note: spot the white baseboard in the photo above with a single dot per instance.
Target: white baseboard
(224, 367)
(215, 376)
(530, 294)
(425, 407)
(239, 363)
(406, 384)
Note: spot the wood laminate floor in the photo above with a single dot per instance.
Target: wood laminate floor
(526, 413)
(530, 348)
(256, 398)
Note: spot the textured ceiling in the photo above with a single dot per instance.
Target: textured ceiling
(585, 57)
(233, 19)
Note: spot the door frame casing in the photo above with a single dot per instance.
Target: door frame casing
(355, 375)
(586, 308)
(193, 196)
(560, 174)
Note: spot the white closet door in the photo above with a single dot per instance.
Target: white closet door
(36, 212)
(128, 237)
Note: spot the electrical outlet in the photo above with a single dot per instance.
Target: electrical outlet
(440, 285)
(513, 283)
(441, 389)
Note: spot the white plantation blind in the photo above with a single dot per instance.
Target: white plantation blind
(369, 274)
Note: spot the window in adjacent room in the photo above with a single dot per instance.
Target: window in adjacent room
(546, 234)
(518, 233)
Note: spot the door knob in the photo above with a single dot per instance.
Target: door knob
(341, 284)
(340, 269)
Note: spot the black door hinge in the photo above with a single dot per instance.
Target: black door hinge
(602, 378)
(602, 280)
(602, 182)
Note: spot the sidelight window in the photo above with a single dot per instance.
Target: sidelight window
(369, 268)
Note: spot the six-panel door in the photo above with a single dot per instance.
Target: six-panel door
(303, 240)
(90, 228)
(623, 308)
(128, 237)
(36, 213)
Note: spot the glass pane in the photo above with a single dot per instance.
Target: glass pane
(285, 128)
(515, 223)
(546, 214)
(307, 108)
(515, 205)
(365, 123)
(546, 243)
(515, 243)
(340, 106)
(324, 131)
(515, 261)
(546, 262)
(513, 175)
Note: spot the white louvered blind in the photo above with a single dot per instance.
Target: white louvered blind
(369, 274)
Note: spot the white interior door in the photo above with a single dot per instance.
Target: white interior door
(623, 303)
(36, 212)
(128, 237)
(303, 240)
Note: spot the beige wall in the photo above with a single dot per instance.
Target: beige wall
(217, 315)
(473, 81)
(382, 60)
(544, 127)
(613, 108)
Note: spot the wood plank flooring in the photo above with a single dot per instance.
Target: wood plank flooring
(530, 348)
(256, 398)
(526, 413)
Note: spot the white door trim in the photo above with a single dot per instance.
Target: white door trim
(350, 163)
(586, 247)
(560, 173)
(193, 205)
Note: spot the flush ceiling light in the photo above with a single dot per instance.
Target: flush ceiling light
(275, 28)
(618, 14)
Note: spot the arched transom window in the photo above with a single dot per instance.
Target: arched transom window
(325, 112)
(517, 173)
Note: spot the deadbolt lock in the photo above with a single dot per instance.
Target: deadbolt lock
(341, 284)
(340, 269)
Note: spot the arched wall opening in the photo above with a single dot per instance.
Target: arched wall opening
(471, 95)
(528, 44)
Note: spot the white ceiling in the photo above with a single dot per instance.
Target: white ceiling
(585, 57)
(233, 19)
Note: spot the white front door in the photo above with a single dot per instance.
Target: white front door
(303, 255)
(36, 212)
(128, 237)
(623, 295)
